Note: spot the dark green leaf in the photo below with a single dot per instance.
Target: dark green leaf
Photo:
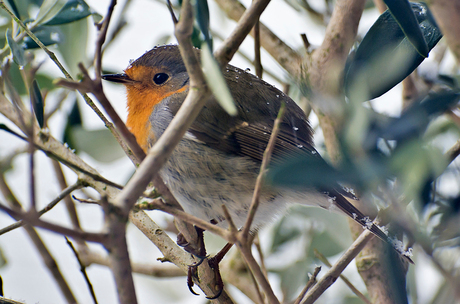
(385, 56)
(305, 172)
(47, 35)
(37, 102)
(404, 16)
(14, 8)
(202, 18)
(73, 120)
(16, 49)
(72, 11)
(415, 119)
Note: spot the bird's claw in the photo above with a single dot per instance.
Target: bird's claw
(190, 281)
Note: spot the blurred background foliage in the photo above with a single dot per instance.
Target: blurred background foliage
(400, 160)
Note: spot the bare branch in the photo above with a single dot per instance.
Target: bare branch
(83, 270)
(286, 56)
(309, 284)
(35, 221)
(258, 186)
(447, 15)
(46, 256)
(331, 276)
(53, 203)
(323, 259)
(159, 271)
(247, 21)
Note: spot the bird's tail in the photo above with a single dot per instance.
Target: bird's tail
(345, 206)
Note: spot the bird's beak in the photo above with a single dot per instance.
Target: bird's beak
(120, 78)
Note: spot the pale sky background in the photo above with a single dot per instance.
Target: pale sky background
(25, 277)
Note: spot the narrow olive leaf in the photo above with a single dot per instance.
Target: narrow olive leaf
(385, 56)
(16, 50)
(216, 81)
(415, 119)
(202, 18)
(74, 120)
(96, 17)
(72, 11)
(14, 8)
(47, 35)
(49, 9)
(309, 172)
(402, 13)
(99, 144)
(37, 102)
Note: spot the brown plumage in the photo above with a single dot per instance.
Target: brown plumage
(219, 158)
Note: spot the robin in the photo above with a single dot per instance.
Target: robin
(219, 158)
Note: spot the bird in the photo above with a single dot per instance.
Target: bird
(218, 160)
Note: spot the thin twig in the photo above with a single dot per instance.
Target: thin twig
(159, 205)
(34, 221)
(257, 272)
(243, 28)
(355, 290)
(257, 60)
(158, 271)
(286, 56)
(453, 152)
(243, 237)
(83, 270)
(46, 256)
(306, 43)
(70, 206)
(64, 160)
(231, 224)
(48, 207)
(331, 276)
(265, 161)
(309, 284)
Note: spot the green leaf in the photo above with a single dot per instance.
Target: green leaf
(16, 79)
(284, 232)
(202, 18)
(415, 119)
(16, 50)
(47, 35)
(294, 277)
(73, 120)
(45, 82)
(99, 144)
(216, 81)
(73, 46)
(326, 244)
(72, 11)
(49, 9)
(414, 163)
(404, 16)
(37, 102)
(385, 56)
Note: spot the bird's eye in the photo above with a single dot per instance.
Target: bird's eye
(160, 78)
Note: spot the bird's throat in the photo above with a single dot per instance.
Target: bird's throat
(140, 107)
